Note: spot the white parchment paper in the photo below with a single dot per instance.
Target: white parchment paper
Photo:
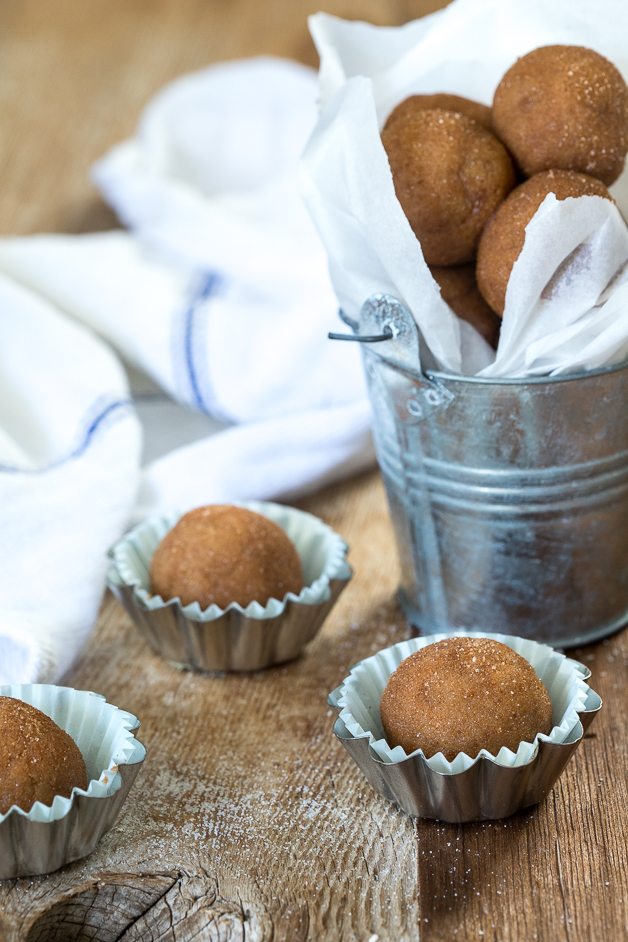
(567, 300)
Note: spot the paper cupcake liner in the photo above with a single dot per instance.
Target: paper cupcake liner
(235, 638)
(48, 837)
(466, 788)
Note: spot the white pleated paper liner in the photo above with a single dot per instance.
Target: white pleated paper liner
(467, 787)
(45, 838)
(235, 637)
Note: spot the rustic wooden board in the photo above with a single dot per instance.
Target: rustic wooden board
(248, 821)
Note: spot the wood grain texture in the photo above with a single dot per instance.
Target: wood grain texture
(248, 820)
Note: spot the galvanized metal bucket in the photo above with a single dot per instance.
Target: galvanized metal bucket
(509, 498)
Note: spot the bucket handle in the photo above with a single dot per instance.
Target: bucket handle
(362, 338)
(385, 319)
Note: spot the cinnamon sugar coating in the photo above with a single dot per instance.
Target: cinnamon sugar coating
(503, 238)
(450, 174)
(460, 291)
(464, 695)
(38, 760)
(564, 107)
(221, 554)
(473, 109)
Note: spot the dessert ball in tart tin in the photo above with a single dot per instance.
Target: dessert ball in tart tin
(487, 785)
(233, 637)
(47, 835)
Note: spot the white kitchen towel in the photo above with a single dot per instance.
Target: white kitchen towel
(218, 299)
(69, 462)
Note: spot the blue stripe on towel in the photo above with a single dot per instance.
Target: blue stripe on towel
(196, 370)
(95, 422)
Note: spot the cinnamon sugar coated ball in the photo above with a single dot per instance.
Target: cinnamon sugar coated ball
(463, 695)
(460, 291)
(221, 554)
(38, 760)
(472, 109)
(450, 174)
(503, 238)
(566, 108)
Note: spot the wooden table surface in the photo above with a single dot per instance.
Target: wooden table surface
(249, 821)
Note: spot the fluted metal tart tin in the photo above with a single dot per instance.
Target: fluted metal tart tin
(468, 788)
(233, 638)
(48, 837)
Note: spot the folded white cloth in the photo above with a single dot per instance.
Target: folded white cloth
(219, 294)
(70, 444)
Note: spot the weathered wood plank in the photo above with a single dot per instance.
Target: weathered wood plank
(557, 872)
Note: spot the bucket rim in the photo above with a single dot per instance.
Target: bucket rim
(444, 376)
(441, 375)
